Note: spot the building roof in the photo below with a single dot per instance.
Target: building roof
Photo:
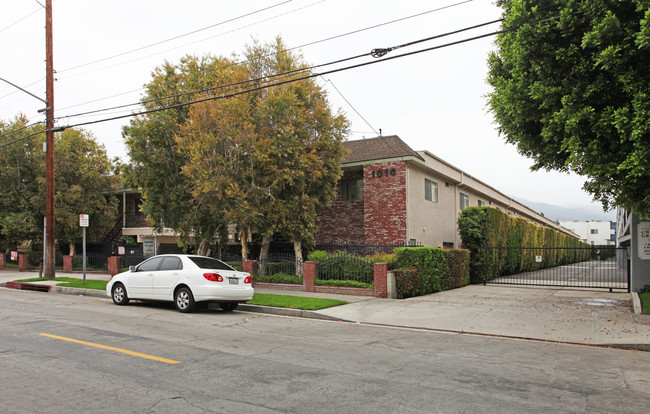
(378, 148)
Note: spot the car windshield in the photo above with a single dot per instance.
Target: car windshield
(210, 263)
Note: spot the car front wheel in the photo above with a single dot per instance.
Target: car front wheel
(119, 294)
(228, 306)
(184, 300)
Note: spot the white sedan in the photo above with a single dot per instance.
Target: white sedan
(184, 279)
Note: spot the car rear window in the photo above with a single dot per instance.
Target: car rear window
(210, 263)
(171, 263)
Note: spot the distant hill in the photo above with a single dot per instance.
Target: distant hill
(586, 212)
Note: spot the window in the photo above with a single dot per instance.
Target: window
(464, 201)
(171, 263)
(430, 190)
(481, 203)
(150, 265)
(352, 190)
(594, 231)
(447, 245)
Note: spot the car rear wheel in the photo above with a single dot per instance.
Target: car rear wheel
(119, 295)
(184, 300)
(229, 306)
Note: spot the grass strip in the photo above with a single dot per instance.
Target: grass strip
(294, 302)
(645, 302)
(71, 282)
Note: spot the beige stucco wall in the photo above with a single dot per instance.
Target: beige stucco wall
(432, 223)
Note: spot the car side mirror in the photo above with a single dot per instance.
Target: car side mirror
(132, 268)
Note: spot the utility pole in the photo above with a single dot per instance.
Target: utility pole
(49, 142)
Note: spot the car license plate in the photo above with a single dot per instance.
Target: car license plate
(233, 280)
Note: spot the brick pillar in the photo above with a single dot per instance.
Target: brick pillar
(249, 266)
(309, 270)
(22, 262)
(2, 260)
(114, 265)
(381, 279)
(67, 264)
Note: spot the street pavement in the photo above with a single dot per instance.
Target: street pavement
(588, 317)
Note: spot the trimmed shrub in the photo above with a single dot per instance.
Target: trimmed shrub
(502, 245)
(408, 283)
(457, 269)
(343, 283)
(435, 270)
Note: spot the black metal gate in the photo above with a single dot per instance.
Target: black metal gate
(602, 267)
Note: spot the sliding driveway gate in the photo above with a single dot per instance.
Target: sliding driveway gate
(597, 267)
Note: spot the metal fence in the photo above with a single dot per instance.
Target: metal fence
(279, 263)
(346, 266)
(233, 259)
(601, 267)
(94, 262)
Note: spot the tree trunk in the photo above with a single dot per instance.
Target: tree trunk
(297, 249)
(203, 249)
(264, 254)
(243, 236)
(73, 251)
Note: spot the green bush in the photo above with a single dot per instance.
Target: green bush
(317, 255)
(425, 270)
(343, 283)
(408, 283)
(502, 245)
(279, 278)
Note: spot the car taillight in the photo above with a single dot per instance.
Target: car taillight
(213, 277)
(248, 280)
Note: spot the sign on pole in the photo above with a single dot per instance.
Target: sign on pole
(83, 223)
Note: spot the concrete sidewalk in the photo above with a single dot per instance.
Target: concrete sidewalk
(588, 317)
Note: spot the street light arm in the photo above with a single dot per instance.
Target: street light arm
(27, 92)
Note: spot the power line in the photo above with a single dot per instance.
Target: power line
(310, 43)
(179, 36)
(313, 75)
(351, 106)
(20, 20)
(289, 72)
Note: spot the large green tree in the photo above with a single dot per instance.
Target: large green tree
(572, 92)
(21, 166)
(82, 186)
(264, 161)
(156, 161)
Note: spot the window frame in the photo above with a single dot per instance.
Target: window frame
(431, 189)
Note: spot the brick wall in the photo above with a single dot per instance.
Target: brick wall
(385, 202)
(134, 218)
(342, 221)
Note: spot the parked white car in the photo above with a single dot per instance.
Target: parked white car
(184, 279)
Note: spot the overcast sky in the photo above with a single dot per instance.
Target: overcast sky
(433, 100)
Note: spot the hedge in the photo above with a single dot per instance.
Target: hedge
(424, 270)
(503, 245)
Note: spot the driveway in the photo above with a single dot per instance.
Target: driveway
(559, 315)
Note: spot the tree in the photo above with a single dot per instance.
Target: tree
(572, 92)
(21, 166)
(156, 162)
(306, 142)
(259, 160)
(83, 185)
(267, 160)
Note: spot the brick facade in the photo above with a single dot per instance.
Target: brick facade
(380, 218)
(385, 202)
(134, 217)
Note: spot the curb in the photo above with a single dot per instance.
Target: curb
(297, 313)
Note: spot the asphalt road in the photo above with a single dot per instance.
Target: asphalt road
(215, 362)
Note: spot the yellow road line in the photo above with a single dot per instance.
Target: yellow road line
(111, 348)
